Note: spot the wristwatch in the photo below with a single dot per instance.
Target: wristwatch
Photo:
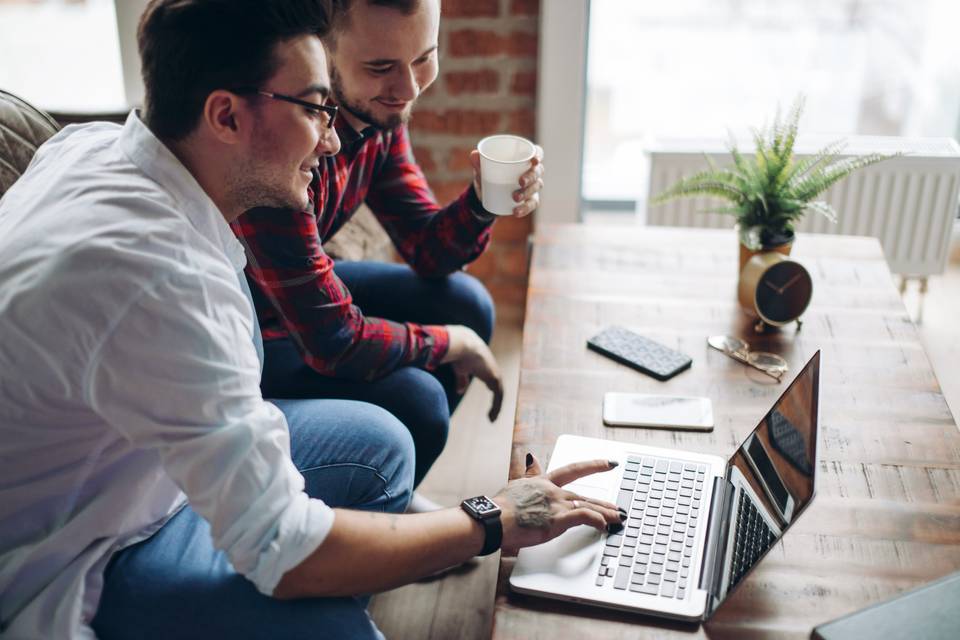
(487, 513)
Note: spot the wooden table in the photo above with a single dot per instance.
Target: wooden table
(886, 516)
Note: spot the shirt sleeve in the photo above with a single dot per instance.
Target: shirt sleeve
(179, 374)
(287, 264)
(434, 240)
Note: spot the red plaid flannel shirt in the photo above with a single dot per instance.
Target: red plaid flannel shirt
(295, 287)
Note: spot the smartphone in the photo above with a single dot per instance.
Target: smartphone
(666, 412)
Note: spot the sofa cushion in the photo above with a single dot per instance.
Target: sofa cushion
(362, 238)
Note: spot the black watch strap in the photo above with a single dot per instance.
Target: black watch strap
(493, 532)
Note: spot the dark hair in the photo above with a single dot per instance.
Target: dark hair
(190, 48)
(341, 12)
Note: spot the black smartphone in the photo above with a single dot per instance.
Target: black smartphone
(643, 354)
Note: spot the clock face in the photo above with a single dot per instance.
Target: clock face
(783, 292)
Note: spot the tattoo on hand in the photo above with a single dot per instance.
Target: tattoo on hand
(533, 506)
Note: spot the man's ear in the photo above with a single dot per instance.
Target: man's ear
(223, 116)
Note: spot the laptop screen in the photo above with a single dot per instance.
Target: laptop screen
(777, 463)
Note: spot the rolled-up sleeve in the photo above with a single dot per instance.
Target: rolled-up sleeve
(299, 283)
(178, 374)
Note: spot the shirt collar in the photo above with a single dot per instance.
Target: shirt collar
(159, 164)
(350, 137)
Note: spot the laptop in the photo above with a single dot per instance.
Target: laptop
(697, 524)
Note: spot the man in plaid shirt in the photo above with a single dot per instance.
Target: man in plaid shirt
(405, 337)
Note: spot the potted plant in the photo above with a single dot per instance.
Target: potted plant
(772, 190)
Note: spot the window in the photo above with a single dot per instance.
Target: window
(703, 67)
(62, 55)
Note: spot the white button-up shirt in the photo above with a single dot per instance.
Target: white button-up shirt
(128, 378)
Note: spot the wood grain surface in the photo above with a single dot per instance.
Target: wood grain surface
(886, 515)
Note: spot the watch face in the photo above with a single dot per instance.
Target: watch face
(482, 506)
(783, 293)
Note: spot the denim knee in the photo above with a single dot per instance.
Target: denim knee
(431, 416)
(351, 453)
(474, 306)
(397, 460)
(421, 404)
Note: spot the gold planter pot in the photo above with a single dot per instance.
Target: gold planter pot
(747, 253)
(750, 245)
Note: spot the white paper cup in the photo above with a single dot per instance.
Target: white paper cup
(503, 159)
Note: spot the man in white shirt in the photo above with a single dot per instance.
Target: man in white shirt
(146, 488)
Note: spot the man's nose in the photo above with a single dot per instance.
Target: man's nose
(405, 86)
(329, 143)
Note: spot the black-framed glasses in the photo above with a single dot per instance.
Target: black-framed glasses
(329, 109)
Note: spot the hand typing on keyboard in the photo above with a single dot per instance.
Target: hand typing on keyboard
(536, 508)
(654, 554)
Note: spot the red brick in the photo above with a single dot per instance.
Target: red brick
(458, 159)
(460, 82)
(520, 7)
(521, 44)
(424, 158)
(524, 83)
(474, 42)
(447, 191)
(521, 122)
(471, 8)
(456, 121)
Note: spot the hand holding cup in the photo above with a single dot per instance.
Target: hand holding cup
(508, 175)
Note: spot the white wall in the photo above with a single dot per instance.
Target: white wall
(561, 106)
(128, 16)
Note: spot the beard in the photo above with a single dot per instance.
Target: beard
(346, 103)
(265, 190)
(257, 183)
(262, 179)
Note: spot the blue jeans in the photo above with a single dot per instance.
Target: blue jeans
(176, 585)
(423, 401)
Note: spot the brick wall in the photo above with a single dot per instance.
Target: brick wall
(487, 84)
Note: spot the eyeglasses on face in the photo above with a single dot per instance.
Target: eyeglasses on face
(329, 110)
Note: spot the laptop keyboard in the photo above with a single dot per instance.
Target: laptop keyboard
(752, 538)
(654, 551)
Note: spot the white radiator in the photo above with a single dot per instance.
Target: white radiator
(909, 203)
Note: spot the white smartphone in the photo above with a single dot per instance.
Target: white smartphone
(666, 412)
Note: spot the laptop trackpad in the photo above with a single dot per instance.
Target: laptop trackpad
(571, 554)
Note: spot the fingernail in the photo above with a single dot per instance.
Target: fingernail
(529, 460)
(614, 527)
(613, 464)
(623, 515)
